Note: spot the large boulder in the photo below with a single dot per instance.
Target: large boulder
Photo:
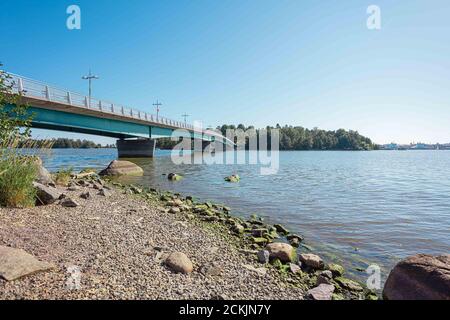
(43, 176)
(122, 167)
(283, 251)
(179, 262)
(419, 277)
(16, 263)
(45, 195)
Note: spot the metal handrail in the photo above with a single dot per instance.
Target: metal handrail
(36, 89)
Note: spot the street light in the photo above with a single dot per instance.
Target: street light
(185, 117)
(90, 77)
(157, 104)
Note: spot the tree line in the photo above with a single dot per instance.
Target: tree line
(300, 138)
(291, 138)
(66, 143)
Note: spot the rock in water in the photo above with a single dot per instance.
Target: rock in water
(336, 269)
(283, 251)
(419, 277)
(349, 284)
(321, 292)
(179, 262)
(16, 263)
(174, 177)
(233, 178)
(121, 167)
(45, 195)
(311, 260)
(281, 229)
(68, 202)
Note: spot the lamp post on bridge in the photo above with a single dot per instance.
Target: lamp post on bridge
(157, 105)
(90, 77)
(185, 117)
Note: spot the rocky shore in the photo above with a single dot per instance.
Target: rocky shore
(95, 238)
(128, 242)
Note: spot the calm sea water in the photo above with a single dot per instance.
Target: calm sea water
(354, 208)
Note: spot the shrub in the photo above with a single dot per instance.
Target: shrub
(17, 174)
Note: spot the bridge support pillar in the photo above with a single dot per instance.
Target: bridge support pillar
(141, 148)
(200, 147)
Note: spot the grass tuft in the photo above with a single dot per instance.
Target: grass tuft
(18, 169)
(63, 176)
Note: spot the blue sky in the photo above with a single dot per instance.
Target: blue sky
(259, 62)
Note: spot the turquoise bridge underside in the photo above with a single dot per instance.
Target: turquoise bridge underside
(72, 122)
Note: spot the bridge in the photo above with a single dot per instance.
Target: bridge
(58, 109)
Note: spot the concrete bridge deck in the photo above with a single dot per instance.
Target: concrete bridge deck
(58, 109)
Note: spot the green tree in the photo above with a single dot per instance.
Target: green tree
(14, 118)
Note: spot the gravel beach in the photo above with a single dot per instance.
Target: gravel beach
(119, 243)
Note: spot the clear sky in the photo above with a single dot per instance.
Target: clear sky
(258, 62)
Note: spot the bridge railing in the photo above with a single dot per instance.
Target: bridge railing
(39, 90)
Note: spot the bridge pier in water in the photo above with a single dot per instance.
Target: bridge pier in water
(201, 146)
(140, 148)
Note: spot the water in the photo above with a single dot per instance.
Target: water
(354, 208)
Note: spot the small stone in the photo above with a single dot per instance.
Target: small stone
(104, 193)
(294, 236)
(263, 256)
(294, 268)
(178, 202)
(238, 229)
(174, 210)
(321, 292)
(260, 232)
(281, 229)
(294, 242)
(179, 262)
(136, 190)
(97, 186)
(260, 271)
(324, 277)
(68, 202)
(311, 260)
(85, 195)
(259, 240)
(73, 188)
(211, 270)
